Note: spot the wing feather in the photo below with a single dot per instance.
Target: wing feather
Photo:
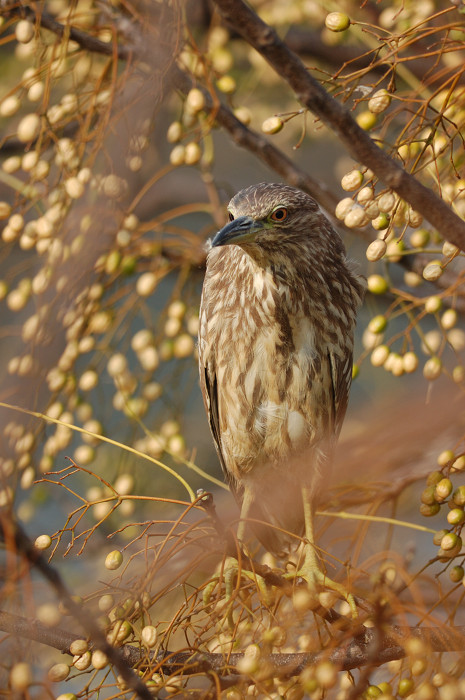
(209, 387)
(341, 379)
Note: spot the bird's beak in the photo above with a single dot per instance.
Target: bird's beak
(241, 230)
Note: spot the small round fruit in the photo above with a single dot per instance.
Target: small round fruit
(432, 272)
(432, 368)
(113, 560)
(377, 284)
(376, 250)
(337, 21)
(443, 489)
(366, 120)
(456, 574)
(456, 516)
(377, 324)
(429, 511)
(380, 101)
(451, 541)
(272, 125)
(437, 537)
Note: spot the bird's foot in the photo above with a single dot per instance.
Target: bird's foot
(231, 574)
(317, 580)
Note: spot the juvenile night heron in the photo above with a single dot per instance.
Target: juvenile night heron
(277, 319)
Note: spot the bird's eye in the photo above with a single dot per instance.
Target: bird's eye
(279, 214)
(231, 216)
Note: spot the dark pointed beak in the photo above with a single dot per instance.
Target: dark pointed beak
(241, 230)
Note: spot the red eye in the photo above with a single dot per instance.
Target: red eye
(231, 216)
(279, 214)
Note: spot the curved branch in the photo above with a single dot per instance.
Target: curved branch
(14, 536)
(85, 40)
(357, 142)
(355, 653)
(261, 147)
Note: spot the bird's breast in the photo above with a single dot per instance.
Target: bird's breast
(269, 379)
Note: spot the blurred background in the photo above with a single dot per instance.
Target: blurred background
(116, 167)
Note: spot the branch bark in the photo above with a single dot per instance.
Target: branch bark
(84, 39)
(358, 143)
(355, 653)
(17, 540)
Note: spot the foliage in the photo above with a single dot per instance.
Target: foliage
(115, 119)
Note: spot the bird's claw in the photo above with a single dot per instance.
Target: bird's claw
(230, 571)
(316, 579)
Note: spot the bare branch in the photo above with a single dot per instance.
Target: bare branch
(13, 533)
(85, 40)
(355, 653)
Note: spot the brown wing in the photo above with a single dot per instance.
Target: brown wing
(209, 387)
(341, 378)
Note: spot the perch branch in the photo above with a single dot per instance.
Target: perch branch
(355, 653)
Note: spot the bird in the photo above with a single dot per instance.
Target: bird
(276, 332)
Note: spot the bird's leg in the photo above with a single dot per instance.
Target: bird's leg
(232, 569)
(311, 569)
(245, 509)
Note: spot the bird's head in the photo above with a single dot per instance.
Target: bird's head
(269, 216)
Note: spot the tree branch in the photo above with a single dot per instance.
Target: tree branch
(355, 653)
(260, 147)
(17, 540)
(357, 142)
(85, 40)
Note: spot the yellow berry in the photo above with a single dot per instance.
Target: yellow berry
(99, 659)
(410, 362)
(376, 250)
(432, 368)
(9, 106)
(377, 283)
(272, 125)
(449, 319)
(149, 635)
(43, 542)
(366, 120)
(380, 222)
(352, 180)
(443, 490)
(24, 31)
(450, 541)
(195, 100)
(432, 272)
(377, 324)
(113, 560)
(58, 672)
(337, 21)
(226, 84)
(456, 574)
(344, 207)
(192, 153)
(379, 102)
(433, 304)
(356, 217)
(28, 127)
(379, 355)
(174, 132)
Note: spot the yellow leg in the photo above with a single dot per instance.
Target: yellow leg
(231, 568)
(246, 504)
(311, 569)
